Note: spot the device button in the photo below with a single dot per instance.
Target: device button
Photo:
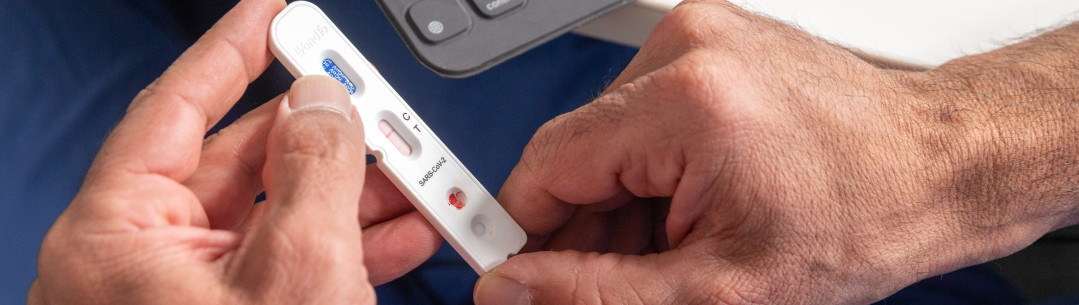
(494, 8)
(438, 20)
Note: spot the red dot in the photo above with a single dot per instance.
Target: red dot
(457, 200)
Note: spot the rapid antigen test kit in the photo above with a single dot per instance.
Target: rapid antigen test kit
(408, 152)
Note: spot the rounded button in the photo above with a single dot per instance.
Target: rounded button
(435, 27)
(438, 20)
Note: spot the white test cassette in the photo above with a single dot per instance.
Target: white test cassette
(304, 39)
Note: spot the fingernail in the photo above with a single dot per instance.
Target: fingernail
(320, 92)
(493, 289)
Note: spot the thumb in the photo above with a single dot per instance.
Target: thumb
(315, 160)
(573, 277)
(309, 245)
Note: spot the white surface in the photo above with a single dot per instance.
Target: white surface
(301, 37)
(921, 32)
(628, 25)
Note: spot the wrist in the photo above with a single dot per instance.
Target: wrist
(1004, 128)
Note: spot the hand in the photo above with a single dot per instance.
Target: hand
(165, 216)
(739, 160)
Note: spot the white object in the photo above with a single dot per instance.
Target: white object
(924, 33)
(410, 154)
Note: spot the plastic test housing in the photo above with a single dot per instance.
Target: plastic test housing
(417, 162)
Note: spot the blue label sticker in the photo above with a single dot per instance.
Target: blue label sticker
(334, 71)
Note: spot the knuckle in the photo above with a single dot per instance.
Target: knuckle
(542, 149)
(555, 135)
(698, 81)
(682, 24)
(702, 22)
(698, 75)
(542, 141)
(169, 105)
(604, 111)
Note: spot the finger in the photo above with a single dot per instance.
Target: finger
(585, 219)
(531, 192)
(163, 130)
(253, 218)
(381, 199)
(396, 241)
(229, 176)
(309, 244)
(594, 154)
(627, 230)
(613, 144)
(397, 246)
(572, 277)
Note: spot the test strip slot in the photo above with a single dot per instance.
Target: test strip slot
(402, 138)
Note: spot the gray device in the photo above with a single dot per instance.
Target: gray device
(459, 38)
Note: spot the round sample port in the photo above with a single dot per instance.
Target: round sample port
(481, 226)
